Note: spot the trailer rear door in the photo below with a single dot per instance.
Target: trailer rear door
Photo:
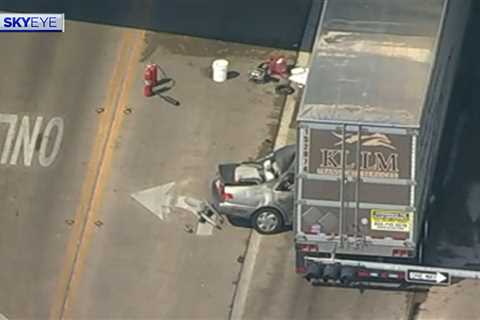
(356, 186)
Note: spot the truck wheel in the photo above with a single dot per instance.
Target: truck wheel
(267, 221)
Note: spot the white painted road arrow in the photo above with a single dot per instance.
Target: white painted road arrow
(158, 200)
(161, 199)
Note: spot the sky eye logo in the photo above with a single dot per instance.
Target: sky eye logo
(32, 22)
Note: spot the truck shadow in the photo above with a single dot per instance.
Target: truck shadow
(454, 236)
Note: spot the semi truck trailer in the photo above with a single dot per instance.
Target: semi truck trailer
(369, 125)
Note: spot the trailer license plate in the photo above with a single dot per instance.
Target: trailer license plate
(390, 220)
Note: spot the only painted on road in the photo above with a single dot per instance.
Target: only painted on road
(23, 135)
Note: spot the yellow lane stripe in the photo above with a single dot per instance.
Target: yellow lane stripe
(97, 172)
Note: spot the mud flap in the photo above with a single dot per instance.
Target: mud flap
(300, 266)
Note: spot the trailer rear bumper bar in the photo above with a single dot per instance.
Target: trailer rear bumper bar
(354, 271)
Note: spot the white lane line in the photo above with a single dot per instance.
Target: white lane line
(2, 317)
(238, 308)
(255, 239)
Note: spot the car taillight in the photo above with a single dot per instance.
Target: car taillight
(221, 190)
(227, 196)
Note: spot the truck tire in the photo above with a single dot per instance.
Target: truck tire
(267, 221)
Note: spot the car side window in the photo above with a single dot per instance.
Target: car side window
(287, 182)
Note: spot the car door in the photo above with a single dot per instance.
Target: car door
(251, 196)
(283, 195)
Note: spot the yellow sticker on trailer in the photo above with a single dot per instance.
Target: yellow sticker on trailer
(390, 220)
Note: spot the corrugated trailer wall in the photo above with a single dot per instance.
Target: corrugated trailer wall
(371, 67)
(456, 14)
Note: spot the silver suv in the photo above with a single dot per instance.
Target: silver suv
(259, 192)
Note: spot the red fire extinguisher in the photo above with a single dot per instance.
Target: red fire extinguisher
(150, 78)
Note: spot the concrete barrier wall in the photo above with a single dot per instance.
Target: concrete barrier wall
(272, 23)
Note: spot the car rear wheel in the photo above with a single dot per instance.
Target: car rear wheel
(267, 221)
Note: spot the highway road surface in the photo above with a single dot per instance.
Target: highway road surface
(144, 265)
(276, 292)
(79, 139)
(50, 88)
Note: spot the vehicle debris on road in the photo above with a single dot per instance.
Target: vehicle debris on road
(276, 69)
(259, 192)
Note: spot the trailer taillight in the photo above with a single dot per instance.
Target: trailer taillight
(363, 273)
(308, 247)
(392, 275)
(300, 269)
(402, 253)
(314, 229)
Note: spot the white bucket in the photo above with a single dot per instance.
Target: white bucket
(220, 70)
